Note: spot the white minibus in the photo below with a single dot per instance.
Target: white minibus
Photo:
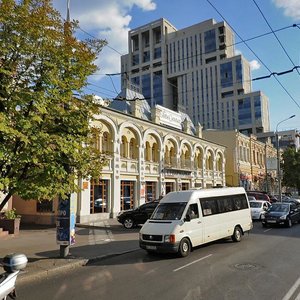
(186, 219)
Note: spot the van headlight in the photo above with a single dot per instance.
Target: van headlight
(283, 217)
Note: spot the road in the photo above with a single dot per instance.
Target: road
(264, 265)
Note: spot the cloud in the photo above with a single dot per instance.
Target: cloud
(237, 52)
(254, 65)
(291, 8)
(106, 19)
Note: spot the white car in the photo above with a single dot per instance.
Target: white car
(251, 198)
(258, 208)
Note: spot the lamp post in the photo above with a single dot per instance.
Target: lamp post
(278, 157)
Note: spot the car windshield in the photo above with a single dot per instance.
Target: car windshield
(279, 207)
(169, 211)
(255, 204)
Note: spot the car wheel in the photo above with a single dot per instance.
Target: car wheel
(289, 223)
(237, 234)
(128, 223)
(184, 247)
(264, 225)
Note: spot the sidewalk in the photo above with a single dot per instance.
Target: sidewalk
(94, 241)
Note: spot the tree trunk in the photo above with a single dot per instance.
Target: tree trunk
(5, 200)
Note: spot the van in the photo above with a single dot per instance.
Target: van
(190, 218)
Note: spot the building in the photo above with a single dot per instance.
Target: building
(287, 138)
(249, 162)
(150, 152)
(195, 70)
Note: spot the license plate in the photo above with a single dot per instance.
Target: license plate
(271, 221)
(151, 247)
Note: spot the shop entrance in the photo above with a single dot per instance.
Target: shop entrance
(127, 194)
(169, 187)
(150, 191)
(98, 198)
(184, 186)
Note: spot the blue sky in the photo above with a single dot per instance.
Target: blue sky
(111, 20)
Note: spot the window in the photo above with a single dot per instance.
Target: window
(193, 212)
(226, 74)
(44, 206)
(210, 41)
(244, 111)
(135, 59)
(223, 204)
(146, 56)
(157, 53)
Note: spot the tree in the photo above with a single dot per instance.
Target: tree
(291, 168)
(45, 140)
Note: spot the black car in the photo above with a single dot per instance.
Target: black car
(281, 213)
(140, 215)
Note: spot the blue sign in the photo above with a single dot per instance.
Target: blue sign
(65, 224)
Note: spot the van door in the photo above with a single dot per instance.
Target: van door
(193, 224)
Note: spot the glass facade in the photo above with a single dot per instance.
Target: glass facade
(210, 41)
(257, 107)
(244, 110)
(239, 71)
(146, 87)
(157, 53)
(226, 74)
(135, 59)
(146, 56)
(157, 88)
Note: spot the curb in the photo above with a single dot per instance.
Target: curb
(28, 277)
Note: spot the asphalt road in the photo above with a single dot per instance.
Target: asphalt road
(264, 265)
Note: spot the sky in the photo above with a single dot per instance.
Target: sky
(277, 50)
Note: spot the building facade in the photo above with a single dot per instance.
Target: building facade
(287, 138)
(249, 162)
(149, 153)
(195, 70)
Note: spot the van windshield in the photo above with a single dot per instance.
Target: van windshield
(169, 211)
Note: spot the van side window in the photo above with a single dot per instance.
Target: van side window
(193, 211)
(223, 204)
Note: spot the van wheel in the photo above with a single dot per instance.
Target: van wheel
(128, 223)
(237, 234)
(184, 247)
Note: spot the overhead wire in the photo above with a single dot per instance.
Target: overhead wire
(278, 81)
(281, 45)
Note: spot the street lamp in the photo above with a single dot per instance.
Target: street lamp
(278, 157)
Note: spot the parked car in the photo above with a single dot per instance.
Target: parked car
(259, 195)
(251, 198)
(258, 208)
(133, 217)
(281, 213)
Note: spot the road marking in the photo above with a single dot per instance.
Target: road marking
(193, 262)
(267, 230)
(292, 290)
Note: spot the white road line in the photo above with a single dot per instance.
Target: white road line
(292, 290)
(193, 262)
(267, 230)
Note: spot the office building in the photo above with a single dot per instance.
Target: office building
(195, 70)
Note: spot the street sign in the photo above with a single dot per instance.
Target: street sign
(271, 163)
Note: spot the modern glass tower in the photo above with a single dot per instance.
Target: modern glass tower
(195, 70)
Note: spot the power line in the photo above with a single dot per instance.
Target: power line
(286, 91)
(283, 48)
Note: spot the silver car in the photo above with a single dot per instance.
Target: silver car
(258, 208)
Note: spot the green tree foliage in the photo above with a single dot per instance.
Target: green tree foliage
(291, 168)
(44, 130)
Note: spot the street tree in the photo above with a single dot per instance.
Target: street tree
(291, 168)
(45, 140)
